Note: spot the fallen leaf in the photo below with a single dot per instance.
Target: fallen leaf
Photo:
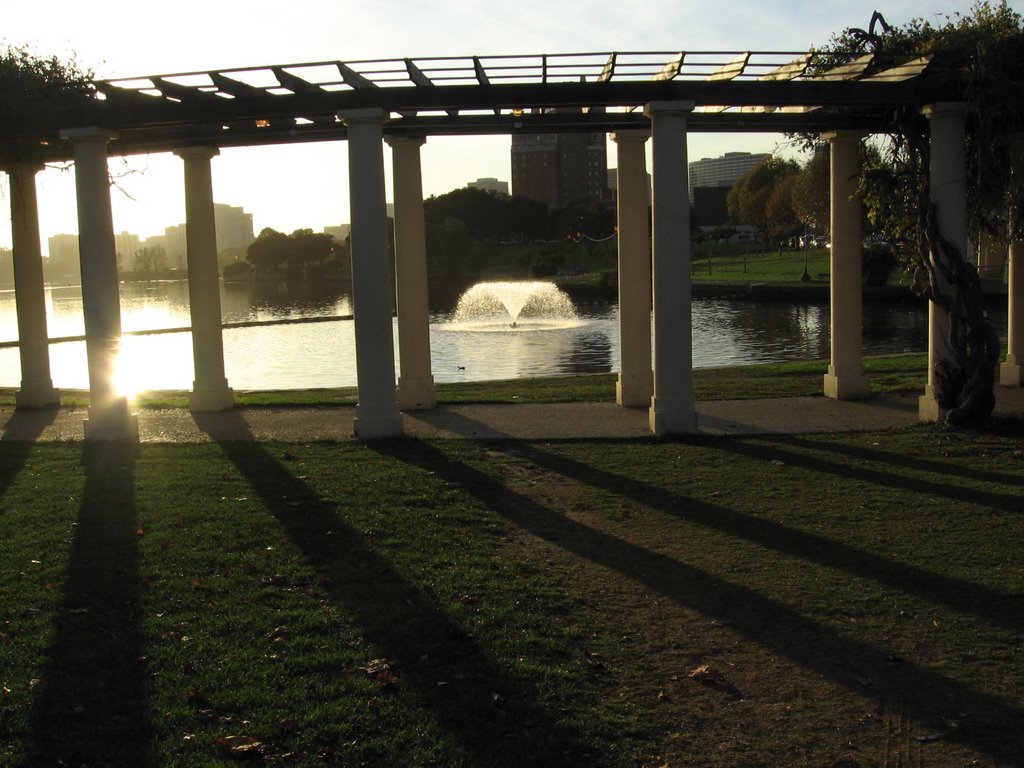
(240, 747)
(705, 673)
(376, 666)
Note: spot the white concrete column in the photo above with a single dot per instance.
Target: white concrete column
(29, 292)
(1011, 372)
(416, 390)
(109, 416)
(377, 413)
(845, 379)
(672, 406)
(636, 379)
(948, 178)
(210, 390)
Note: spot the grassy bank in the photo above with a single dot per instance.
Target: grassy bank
(889, 375)
(769, 267)
(849, 600)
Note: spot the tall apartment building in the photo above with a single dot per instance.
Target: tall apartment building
(559, 168)
(175, 247)
(234, 226)
(490, 184)
(722, 171)
(126, 245)
(339, 232)
(710, 181)
(63, 263)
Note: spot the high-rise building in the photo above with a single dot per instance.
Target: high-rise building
(175, 247)
(126, 245)
(234, 227)
(722, 171)
(490, 184)
(560, 168)
(6, 266)
(340, 232)
(63, 263)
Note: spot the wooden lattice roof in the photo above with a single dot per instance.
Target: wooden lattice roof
(732, 91)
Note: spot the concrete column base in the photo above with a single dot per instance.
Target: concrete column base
(1011, 373)
(672, 417)
(634, 389)
(210, 398)
(846, 383)
(416, 393)
(928, 408)
(39, 396)
(112, 422)
(373, 427)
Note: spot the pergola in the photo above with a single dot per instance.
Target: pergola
(635, 96)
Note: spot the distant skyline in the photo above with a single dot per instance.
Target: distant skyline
(306, 185)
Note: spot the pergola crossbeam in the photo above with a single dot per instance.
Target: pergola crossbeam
(672, 69)
(417, 75)
(747, 91)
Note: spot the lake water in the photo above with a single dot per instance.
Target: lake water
(322, 353)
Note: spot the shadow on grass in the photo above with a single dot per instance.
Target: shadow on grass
(956, 469)
(495, 719)
(785, 448)
(90, 706)
(990, 605)
(990, 722)
(20, 433)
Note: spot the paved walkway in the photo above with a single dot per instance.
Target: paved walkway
(481, 422)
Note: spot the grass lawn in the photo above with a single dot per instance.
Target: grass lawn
(889, 375)
(832, 600)
(770, 266)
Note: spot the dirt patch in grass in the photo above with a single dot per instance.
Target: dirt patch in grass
(734, 658)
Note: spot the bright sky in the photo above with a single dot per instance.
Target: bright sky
(307, 185)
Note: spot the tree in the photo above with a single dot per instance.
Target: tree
(526, 219)
(33, 86)
(269, 251)
(451, 251)
(310, 249)
(748, 198)
(481, 212)
(781, 219)
(810, 194)
(150, 261)
(984, 52)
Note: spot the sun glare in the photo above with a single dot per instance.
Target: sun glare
(127, 373)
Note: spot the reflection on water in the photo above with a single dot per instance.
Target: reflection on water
(725, 332)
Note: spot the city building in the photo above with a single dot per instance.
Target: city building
(126, 245)
(234, 227)
(63, 264)
(340, 233)
(175, 247)
(490, 184)
(6, 266)
(722, 171)
(711, 178)
(560, 168)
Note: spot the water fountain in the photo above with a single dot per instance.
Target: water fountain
(514, 305)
